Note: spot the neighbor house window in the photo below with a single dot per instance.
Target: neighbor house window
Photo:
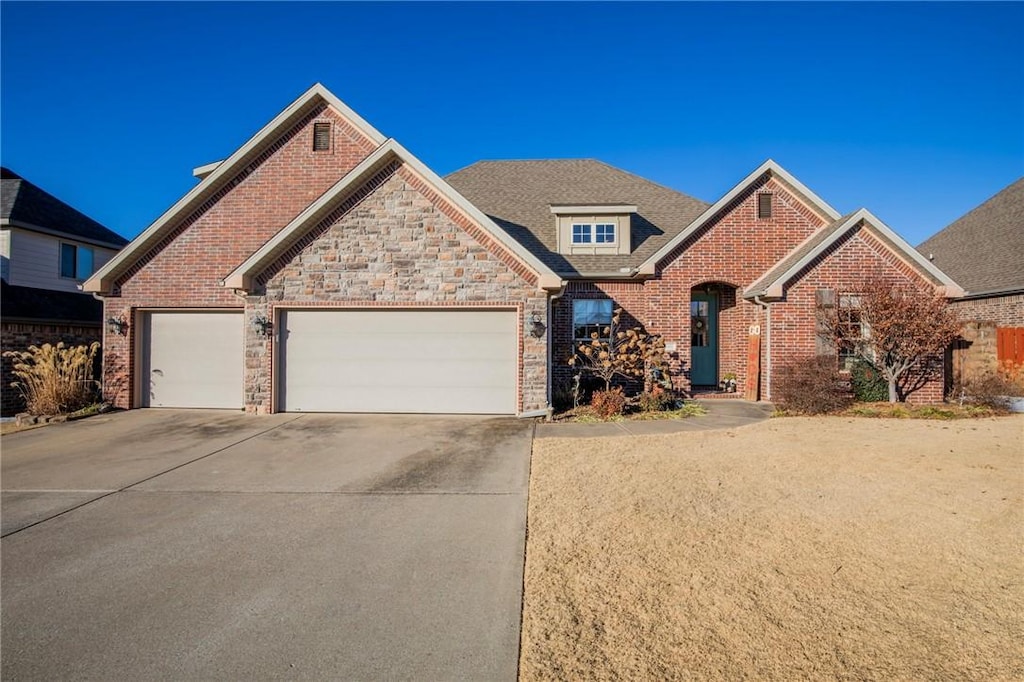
(321, 137)
(764, 206)
(591, 316)
(852, 327)
(590, 233)
(76, 262)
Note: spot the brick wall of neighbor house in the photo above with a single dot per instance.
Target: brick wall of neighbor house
(858, 255)
(1004, 311)
(399, 246)
(210, 243)
(18, 336)
(977, 351)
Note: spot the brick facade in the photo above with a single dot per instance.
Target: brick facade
(396, 242)
(1003, 311)
(725, 257)
(976, 353)
(18, 336)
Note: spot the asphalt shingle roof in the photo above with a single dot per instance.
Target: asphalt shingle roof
(24, 203)
(983, 251)
(43, 304)
(518, 195)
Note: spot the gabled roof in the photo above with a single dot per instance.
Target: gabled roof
(104, 278)
(772, 283)
(769, 168)
(984, 249)
(519, 196)
(242, 277)
(24, 205)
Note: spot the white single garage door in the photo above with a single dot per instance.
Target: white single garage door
(192, 359)
(413, 361)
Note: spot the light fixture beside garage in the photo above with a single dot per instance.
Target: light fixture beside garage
(264, 327)
(117, 325)
(537, 327)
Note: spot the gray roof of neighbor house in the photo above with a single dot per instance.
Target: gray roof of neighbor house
(29, 303)
(22, 204)
(984, 250)
(518, 196)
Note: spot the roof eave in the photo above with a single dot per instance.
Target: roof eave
(19, 224)
(769, 166)
(103, 280)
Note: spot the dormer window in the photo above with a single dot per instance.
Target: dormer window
(593, 229)
(593, 233)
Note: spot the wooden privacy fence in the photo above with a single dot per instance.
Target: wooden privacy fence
(1010, 345)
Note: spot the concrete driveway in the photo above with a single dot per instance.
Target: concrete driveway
(199, 545)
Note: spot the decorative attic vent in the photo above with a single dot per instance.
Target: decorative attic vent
(764, 206)
(321, 137)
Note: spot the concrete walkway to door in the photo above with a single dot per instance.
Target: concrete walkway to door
(722, 414)
(191, 544)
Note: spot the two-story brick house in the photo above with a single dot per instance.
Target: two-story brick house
(322, 267)
(47, 249)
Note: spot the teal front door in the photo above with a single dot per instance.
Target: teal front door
(703, 339)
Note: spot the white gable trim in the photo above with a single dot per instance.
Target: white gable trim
(103, 280)
(648, 266)
(242, 277)
(774, 288)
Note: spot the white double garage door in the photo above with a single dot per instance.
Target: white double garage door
(398, 361)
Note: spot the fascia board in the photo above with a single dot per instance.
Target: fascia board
(769, 166)
(103, 279)
(953, 290)
(595, 209)
(544, 273)
(774, 289)
(241, 277)
(207, 168)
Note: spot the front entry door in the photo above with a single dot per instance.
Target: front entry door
(703, 339)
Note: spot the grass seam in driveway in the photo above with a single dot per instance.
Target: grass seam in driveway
(148, 478)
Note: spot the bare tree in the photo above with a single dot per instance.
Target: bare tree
(631, 354)
(900, 331)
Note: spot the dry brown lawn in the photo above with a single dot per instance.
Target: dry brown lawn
(797, 548)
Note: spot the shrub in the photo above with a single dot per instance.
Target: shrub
(608, 404)
(55, 379)
(991, 389)
(811, 386)
(868, 384)
(656, 400)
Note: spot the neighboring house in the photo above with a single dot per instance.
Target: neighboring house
(984, 252)
(322, 267)
(47, 249)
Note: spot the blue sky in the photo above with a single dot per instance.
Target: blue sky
(915, 111)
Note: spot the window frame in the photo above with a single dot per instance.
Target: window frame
(78, 275)
(591, 327)
(589, 230)
(848, 317)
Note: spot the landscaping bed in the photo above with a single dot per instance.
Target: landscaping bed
(810, 547)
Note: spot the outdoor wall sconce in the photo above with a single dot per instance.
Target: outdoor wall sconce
(537, 327)
(117, 325)
(264, 327)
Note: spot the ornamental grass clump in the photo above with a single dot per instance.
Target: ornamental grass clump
(55, 379)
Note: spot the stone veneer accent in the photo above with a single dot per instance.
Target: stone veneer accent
(394, 248)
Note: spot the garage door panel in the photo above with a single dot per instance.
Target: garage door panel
(399, 361)
(192, 359)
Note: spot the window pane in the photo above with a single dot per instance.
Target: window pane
(580, 234)
(67, 260)
(591, 316)
(605, 233)
(84, 268)
(699, 323)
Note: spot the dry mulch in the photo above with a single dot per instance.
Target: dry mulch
(802, 548)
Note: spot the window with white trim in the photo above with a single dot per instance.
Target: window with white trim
(593, 233)
(591, 316)
(76, 262)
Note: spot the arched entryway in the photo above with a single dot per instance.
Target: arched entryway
(707, 301)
